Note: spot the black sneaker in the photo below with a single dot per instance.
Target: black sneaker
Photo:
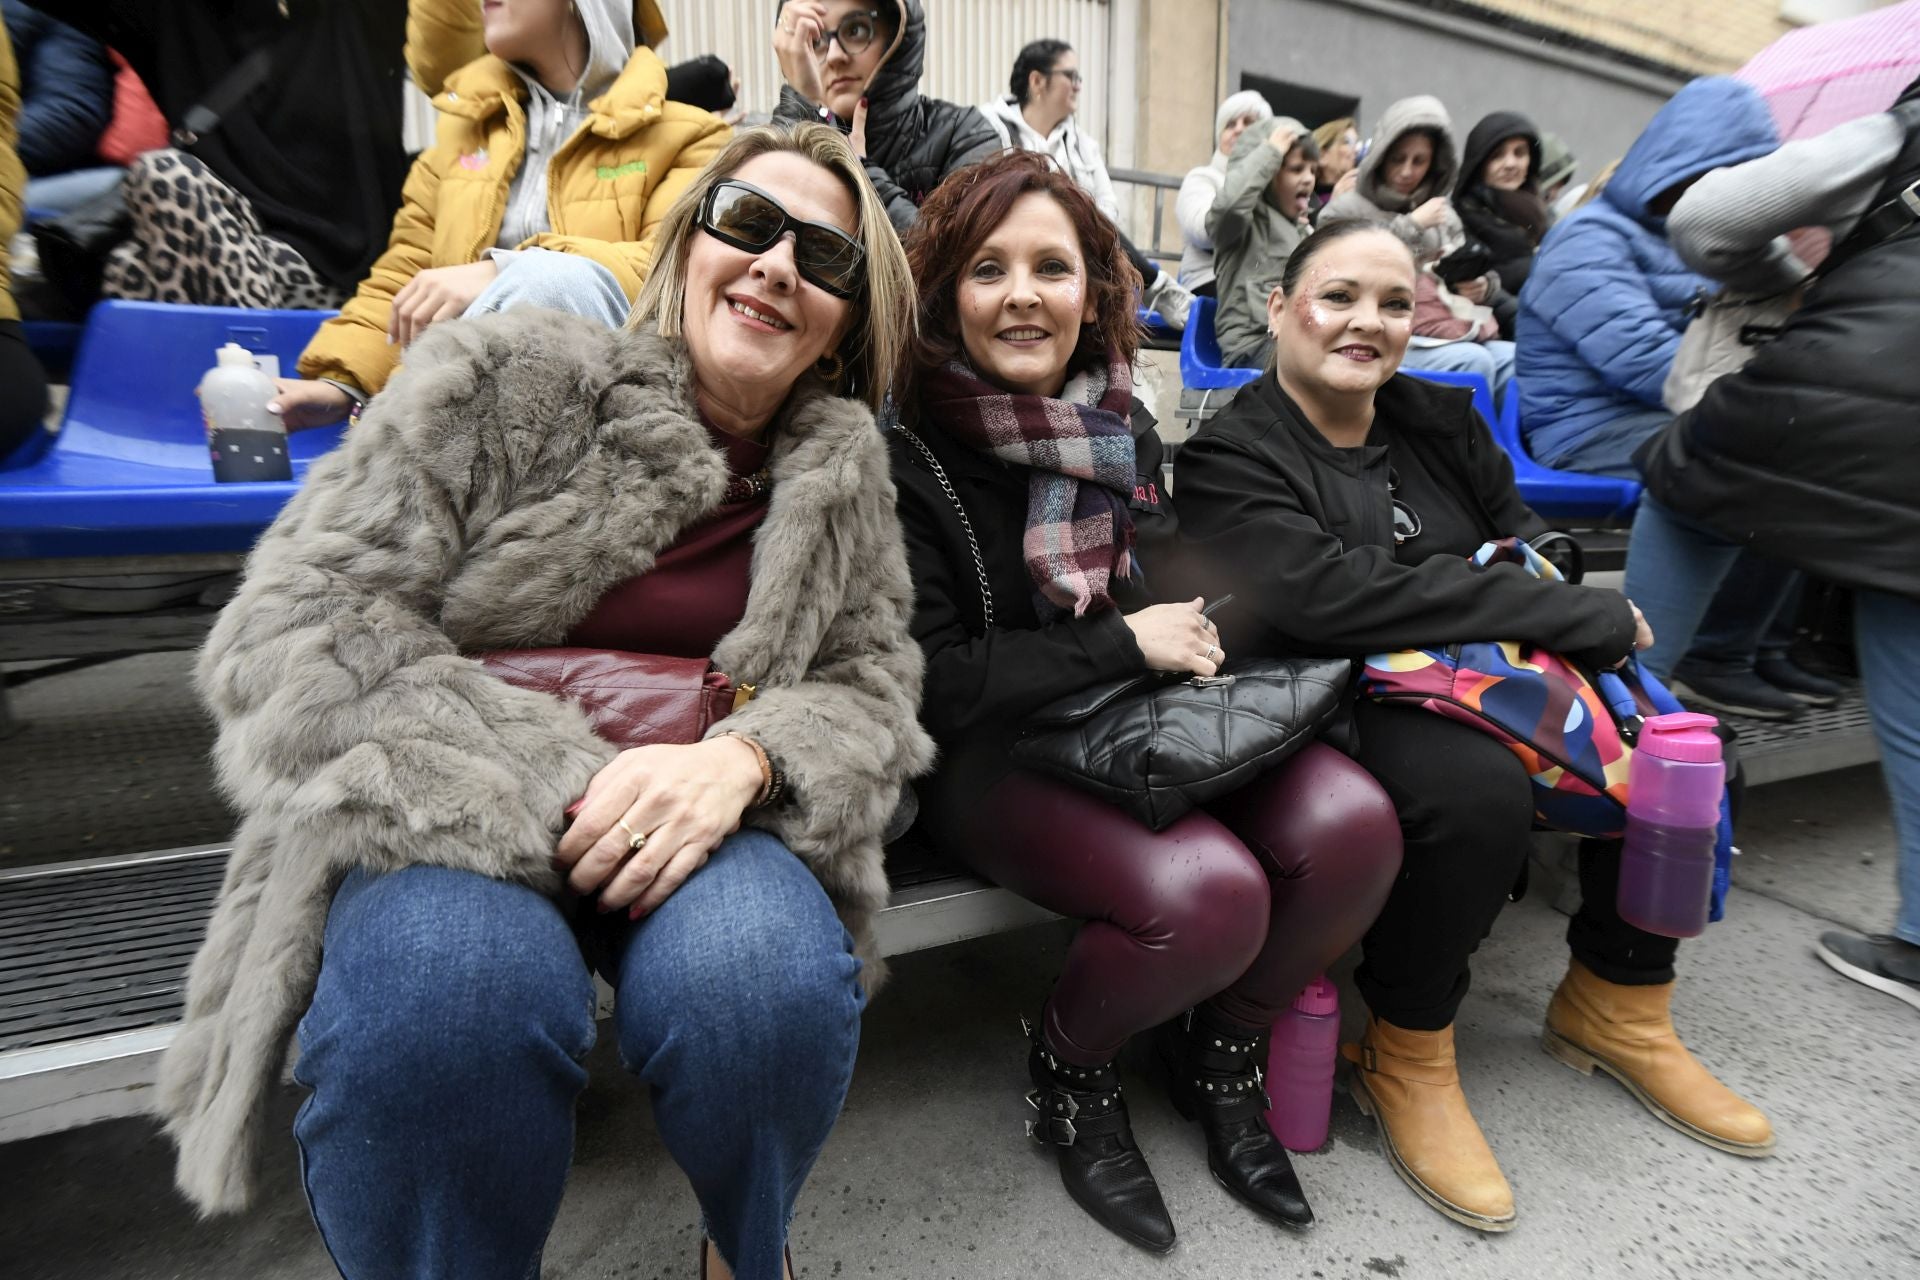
(1743, 695)
(1883, 962)
(1796, 681)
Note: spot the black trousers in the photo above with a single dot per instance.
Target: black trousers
(23, 388)
(1466, 814)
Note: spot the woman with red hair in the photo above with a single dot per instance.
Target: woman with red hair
(1037, 531)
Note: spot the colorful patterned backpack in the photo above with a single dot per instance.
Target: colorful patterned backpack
(1573, 731)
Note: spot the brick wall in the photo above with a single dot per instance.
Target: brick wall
(1705, 36)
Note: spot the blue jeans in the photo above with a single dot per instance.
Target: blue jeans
(1604, 451)
(65, 192)
(1491, 360)
(446, 1041)
(1745, 611)
(558, 282)
(1673, 570)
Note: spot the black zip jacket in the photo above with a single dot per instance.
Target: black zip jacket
(1302, 533)
(982, 684)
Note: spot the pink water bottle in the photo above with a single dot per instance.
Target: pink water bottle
(1300, 1060)
(1673, 818)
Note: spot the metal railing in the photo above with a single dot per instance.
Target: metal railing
(1159, 184)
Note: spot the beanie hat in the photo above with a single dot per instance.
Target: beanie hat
(1239, 104)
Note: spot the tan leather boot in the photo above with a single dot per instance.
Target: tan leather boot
(1407, 1081)
(1628, 1033)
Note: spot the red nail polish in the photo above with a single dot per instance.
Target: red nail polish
(863, 104)
(635, 912)
(603, 907)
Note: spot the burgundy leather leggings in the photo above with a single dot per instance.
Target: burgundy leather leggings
(1241, 904)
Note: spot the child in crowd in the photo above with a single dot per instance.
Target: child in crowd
(1201, 187)
(1260, 216)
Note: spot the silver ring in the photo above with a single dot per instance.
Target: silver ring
(1208, 655)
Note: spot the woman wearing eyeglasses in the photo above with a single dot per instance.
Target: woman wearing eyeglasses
(706, 483)
(1341, 503)
(556, 156)
(1039, 532)
(855, 64)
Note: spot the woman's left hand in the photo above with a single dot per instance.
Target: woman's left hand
(684, 799)
(436, 294)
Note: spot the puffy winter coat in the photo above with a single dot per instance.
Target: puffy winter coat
(912, 141)
(13, 175)
(1077, 154)
(608, 186)
(1252, 240)
(1810, 453)
(1603, 310)
(66, 85)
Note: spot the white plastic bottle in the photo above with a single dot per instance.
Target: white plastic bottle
(245, 441)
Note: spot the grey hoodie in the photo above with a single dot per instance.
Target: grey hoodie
(1371, 197)
(551, 121)
(1252, 240)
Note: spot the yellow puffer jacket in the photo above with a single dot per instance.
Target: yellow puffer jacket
(608, 187)
(13, 174)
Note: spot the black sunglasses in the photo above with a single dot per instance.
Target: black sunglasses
(855, 32)
(742, 215)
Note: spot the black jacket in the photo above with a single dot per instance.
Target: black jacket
(912, 141)
(1810, 453)
(981, 684)
(1302, 533)
(315, 147)
(1512, 248)
(66, 91)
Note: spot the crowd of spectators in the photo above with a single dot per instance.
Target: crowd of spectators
(737, 312)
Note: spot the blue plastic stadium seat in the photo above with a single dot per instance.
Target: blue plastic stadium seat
(1201, 368)
(1155, 324)
(128, 472)
(1560, 495)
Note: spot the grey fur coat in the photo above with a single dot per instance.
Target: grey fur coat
(517, 468)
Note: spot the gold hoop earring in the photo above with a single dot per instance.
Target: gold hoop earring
(831, 367)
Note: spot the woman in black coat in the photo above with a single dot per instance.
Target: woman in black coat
(1341, 504)
(865, 79)
(1498, 199)
(1038, 533)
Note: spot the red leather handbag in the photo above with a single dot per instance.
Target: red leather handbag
(631, 699)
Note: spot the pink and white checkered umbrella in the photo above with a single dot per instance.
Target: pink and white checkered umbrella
(1821, 76)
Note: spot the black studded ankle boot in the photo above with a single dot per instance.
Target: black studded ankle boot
(1080, 1112)
(1214, 1076)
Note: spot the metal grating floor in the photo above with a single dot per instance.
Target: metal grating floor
(102, 949)
(1837, 737)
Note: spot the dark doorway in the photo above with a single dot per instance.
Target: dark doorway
(1311, 107)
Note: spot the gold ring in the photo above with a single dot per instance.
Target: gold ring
(636, 840)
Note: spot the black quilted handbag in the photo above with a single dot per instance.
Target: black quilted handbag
(1156, 745)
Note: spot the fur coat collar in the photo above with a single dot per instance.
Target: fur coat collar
(518, 467)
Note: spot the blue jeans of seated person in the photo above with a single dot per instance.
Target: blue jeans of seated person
(65, 192)
(1673, 570)
(1607, 451)
(558, 282)
(1493, 361)
(446, 1041)
(1751, 599)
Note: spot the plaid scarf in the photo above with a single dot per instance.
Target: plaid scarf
(1079, 449)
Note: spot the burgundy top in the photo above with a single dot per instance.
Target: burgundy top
(696, 591)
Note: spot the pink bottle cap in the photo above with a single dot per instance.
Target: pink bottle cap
(1686, 736)
(1318, 998)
